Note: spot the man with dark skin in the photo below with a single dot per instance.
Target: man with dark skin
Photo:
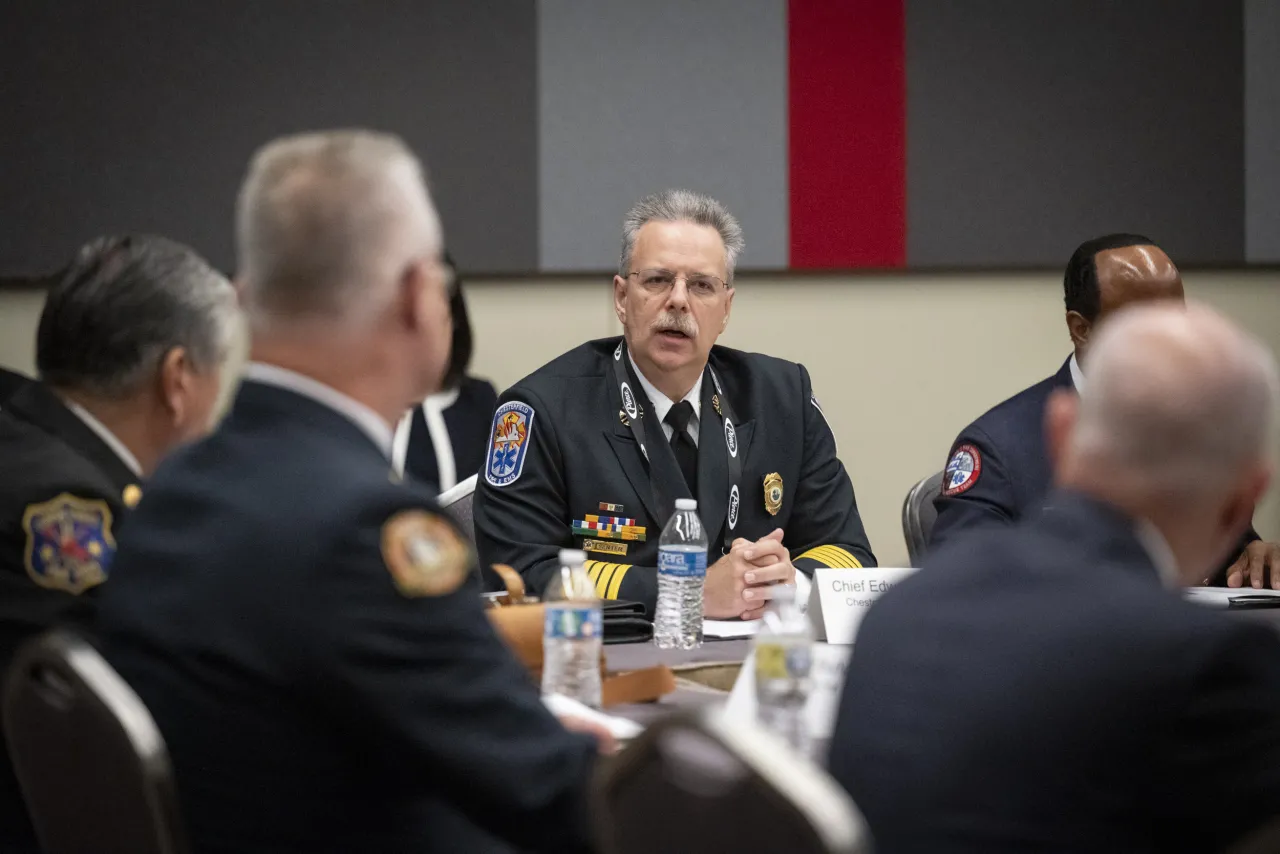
(998, 470)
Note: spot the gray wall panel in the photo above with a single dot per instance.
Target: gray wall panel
(142, 115)
(1262, 130)
(1035, 125)
(637, 97)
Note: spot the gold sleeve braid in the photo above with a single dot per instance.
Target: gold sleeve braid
(607, 577)
(833, 557)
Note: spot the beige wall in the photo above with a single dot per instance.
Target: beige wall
(900, 363)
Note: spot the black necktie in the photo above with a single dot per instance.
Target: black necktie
(682, 443)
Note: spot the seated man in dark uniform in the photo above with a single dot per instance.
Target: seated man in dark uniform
(592, 450)
(998, 470)
(131, 347)
(305, 628)
(1046, 687)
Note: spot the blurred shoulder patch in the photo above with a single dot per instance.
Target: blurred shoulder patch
(424, 554)
(963, 470)
(69, 544)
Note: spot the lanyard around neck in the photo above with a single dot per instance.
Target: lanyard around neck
(730, 433)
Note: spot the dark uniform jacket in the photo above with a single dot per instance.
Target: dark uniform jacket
(1037, 688)
(309, 637)
(466, 422)
(565, 471)
(62, 494)
(999, 468)
(11, 381)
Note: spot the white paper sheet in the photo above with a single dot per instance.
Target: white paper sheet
(730, 628)
(621, 728)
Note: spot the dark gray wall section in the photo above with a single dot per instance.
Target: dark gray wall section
(1262, 130)
(641, 96)
(1032, 126)
(143, 115)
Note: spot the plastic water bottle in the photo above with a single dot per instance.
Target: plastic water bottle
(682, 570)
(572, 633)
(783, 656)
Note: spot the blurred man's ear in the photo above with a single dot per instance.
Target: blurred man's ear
(175, 382)
(1059, 420)
(1079, 328)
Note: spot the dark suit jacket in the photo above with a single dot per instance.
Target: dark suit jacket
(1036, 688)
(310, 700)
(61, 490)
(999, 471)
(579, 454)
(466, 422)
(11, 381)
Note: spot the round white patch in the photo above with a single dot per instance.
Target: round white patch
(733, 507)
(731, 438)
(629, 402)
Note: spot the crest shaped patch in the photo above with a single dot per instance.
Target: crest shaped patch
(963, 470)
(69, 544)
(509, 443)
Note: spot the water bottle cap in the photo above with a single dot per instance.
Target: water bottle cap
(571, 557)
(686, 504)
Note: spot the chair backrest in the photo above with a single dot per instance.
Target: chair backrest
(918, 516)
(93, 766)
(721, 786)
(456, 501)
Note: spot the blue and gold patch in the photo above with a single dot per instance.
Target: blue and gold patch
(508, 443)
(69, 543)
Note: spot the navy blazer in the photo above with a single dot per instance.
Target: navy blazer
(466, 422)
(314, 695)
(1036, 688)
(999, 470)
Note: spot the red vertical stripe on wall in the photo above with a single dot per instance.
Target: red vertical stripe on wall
(847, 89)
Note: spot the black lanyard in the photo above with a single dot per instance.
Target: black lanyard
(634, 416)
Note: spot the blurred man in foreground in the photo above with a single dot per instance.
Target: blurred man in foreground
(592, 450)
(998, 471)
(307, 630)
(1045, 687)
(130, 349)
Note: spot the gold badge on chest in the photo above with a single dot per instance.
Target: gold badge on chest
(773, 493)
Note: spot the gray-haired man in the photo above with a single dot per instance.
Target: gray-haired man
(592, 450)
(130, 351)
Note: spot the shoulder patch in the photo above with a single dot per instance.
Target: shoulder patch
(962, 471)
(424, 554)
(509, 443)
(69, 544)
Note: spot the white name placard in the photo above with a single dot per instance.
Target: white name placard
(840, 597)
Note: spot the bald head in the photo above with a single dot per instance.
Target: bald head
(1109, 273)
(327, 223)
(1177, 418)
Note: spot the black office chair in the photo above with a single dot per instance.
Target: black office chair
(698, 783)
(92, 763)
(457, 503)
(918, 516)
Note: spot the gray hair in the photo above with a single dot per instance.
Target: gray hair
(681, 206)
(1181, 399)
(122, 304)
(326, 222)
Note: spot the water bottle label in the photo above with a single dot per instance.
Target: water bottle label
(573, 624)
(782, 661)
(682, 564)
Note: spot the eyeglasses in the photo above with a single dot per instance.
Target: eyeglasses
(657, 282)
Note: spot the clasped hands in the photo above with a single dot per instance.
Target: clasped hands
(740, 584)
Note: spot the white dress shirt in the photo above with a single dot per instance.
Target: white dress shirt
(433, 411)
(1077, 375)
(662, 404)
(355, 411)
(126, 456)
